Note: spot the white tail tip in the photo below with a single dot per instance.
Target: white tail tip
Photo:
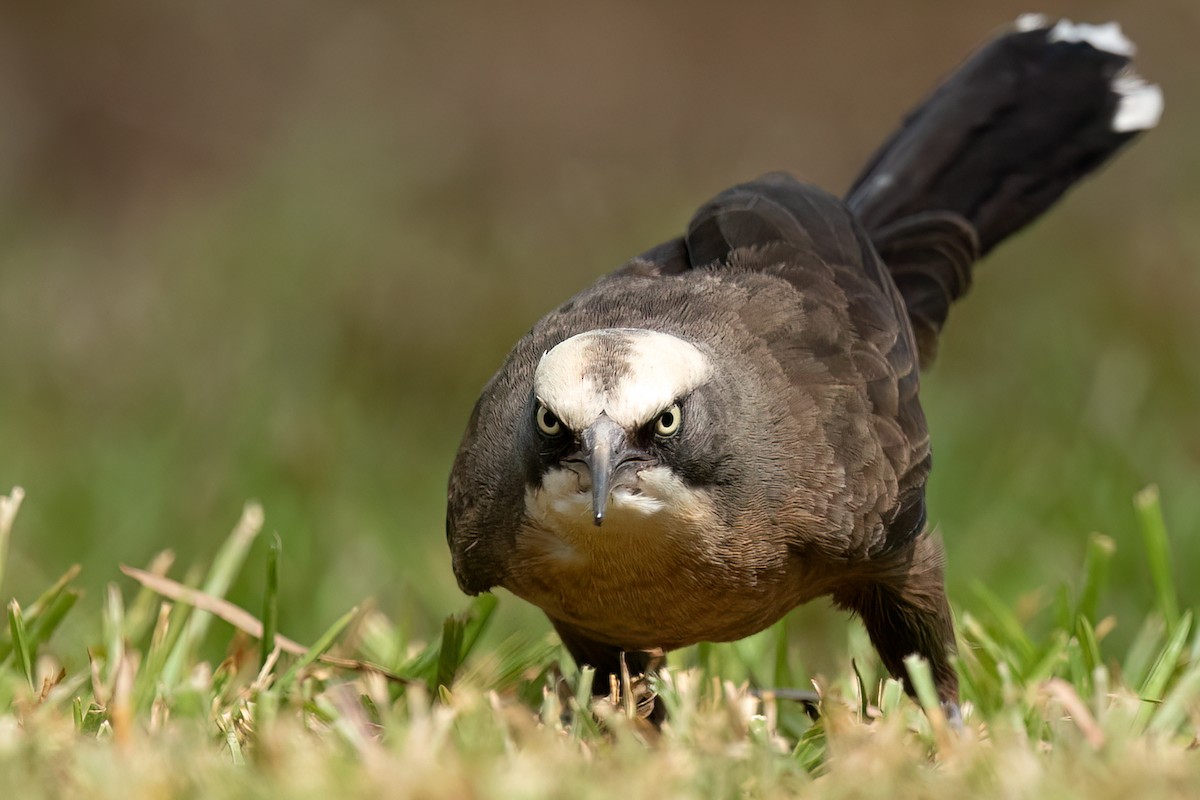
(1107, 37)
(1141, 104)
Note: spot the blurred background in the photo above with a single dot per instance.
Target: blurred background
(253, 251)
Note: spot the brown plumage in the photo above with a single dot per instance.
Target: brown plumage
(729, 425)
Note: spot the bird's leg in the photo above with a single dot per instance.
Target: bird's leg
(606, 660)
(902, 602)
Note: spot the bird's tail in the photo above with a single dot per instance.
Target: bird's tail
(991, 149)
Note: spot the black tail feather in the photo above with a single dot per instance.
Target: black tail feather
(1030, 114)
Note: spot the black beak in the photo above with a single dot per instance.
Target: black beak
(604, 446)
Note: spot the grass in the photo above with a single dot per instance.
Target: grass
(281, 265)
(1049, 709)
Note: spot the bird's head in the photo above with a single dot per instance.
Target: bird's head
(614, 414)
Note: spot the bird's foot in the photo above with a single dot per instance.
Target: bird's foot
(953, 716)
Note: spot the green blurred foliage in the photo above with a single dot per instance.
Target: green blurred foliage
(273, 253)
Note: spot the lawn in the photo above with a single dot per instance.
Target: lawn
(366, 711)
(253, 276)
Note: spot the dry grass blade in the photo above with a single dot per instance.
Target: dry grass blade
(47, 598)
(9, 505)
(235, 615)
(121, 711)
(242, 619)
(358, 665)
(1065, 695)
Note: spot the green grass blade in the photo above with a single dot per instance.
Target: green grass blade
(783, 667)
(145, 686)
(48, 597)
(460, 634)
(891, 696)
(381, 641)
(425, 665)
(1158, 553)
(49, 620)
(989, 652)
(229, 729)
(509, 663)
(1095, 570)
(1143, 650)
(1054, 655)
(1008, 628)
(583, 687)
(1064, 607)
(1160, 674)
(94, 719)
(316, 651)
(1089, 647)
(38, 607)
(270, 615)
(811, 749)
(450, 655)
(1178, 705)
(583, 723)
(20, 641)
(706, 659)
(921, 677)
(478, 618)
(225, 568)
(1076, 672)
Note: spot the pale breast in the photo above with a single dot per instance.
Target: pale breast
(662, 571)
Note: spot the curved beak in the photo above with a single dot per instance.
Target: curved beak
(604, 446)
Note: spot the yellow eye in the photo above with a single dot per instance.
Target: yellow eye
(548, 423)
(668, 421)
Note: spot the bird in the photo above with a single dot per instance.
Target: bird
(729, 425)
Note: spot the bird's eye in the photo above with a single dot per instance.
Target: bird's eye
(668, 421)
(548, 423)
